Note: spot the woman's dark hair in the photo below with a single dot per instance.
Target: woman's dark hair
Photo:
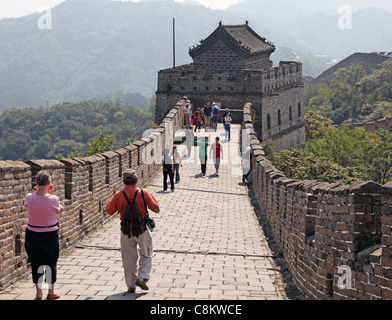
(42, 178)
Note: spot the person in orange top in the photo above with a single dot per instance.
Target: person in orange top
(198, 119)
(129, 251)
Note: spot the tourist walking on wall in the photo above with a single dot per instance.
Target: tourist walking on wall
(189, 142)
(207, 116)
(215, 115)
(168, 170)
(197, 119)
(203, 147)
(187, 114)
(224, 115)
(227, 121)
(216, 152)
(135, 250)
(42, 238)
(177, 163)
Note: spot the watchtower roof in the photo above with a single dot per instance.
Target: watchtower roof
(240, 38)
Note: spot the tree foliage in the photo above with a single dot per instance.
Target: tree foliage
(315, 124)
(337, 154)
(70, 129)
(102, 143)
(353, 95)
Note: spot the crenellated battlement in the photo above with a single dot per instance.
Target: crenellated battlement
(287, 74)
(371, 126)
(232, 67)
(336, 238)
(83, 185)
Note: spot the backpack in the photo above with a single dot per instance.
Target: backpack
(216, 111)
(132, 223)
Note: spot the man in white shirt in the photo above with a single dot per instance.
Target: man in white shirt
(227, 122)
(187, 113)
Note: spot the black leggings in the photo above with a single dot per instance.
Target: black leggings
(43, 250)
(203, 162)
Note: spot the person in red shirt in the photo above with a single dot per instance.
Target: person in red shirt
(129, 246)
(217, 154)
(198, 119)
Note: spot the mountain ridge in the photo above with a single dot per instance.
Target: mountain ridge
(98, 47)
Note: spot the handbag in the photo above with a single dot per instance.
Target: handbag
(149, 221)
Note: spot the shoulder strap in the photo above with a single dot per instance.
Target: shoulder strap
(126, 197)
(134, 197)
(144, 200)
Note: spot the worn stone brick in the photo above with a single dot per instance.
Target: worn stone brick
(83, 185)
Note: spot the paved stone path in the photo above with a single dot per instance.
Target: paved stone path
(208, 244)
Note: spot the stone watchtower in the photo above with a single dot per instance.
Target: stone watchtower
(233, 67)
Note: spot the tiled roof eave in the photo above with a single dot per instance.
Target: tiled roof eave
(232, 44)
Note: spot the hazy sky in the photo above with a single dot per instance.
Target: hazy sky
(18, 8)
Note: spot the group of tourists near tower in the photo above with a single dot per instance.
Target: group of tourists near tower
(195, 119)
(133, 204)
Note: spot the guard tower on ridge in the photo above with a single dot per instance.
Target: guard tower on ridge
(232, 66)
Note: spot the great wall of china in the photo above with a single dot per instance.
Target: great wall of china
(83, 185)
(336, 238)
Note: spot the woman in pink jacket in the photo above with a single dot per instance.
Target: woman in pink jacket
(42, 239)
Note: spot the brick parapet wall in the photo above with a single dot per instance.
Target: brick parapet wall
(275, 93)
(327, 232)
(83, 185)
(371, 126)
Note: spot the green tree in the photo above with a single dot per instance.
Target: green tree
(337, 154)
(346, 97)
(104, 142)
(342, 146)
(68, 128)
(302, 165)
(353, 96)
(378, 85)
(379, 157)
(316, 124)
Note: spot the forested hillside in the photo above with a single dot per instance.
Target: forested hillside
(336, 153)
(55, 132)
(353, 95)
(97, 47)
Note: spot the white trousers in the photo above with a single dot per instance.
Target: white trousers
(131, 248)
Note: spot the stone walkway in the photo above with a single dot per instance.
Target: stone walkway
(208, 245)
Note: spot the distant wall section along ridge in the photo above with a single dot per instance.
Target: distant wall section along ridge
(83, 185)
(371, 126)
(336, 238)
